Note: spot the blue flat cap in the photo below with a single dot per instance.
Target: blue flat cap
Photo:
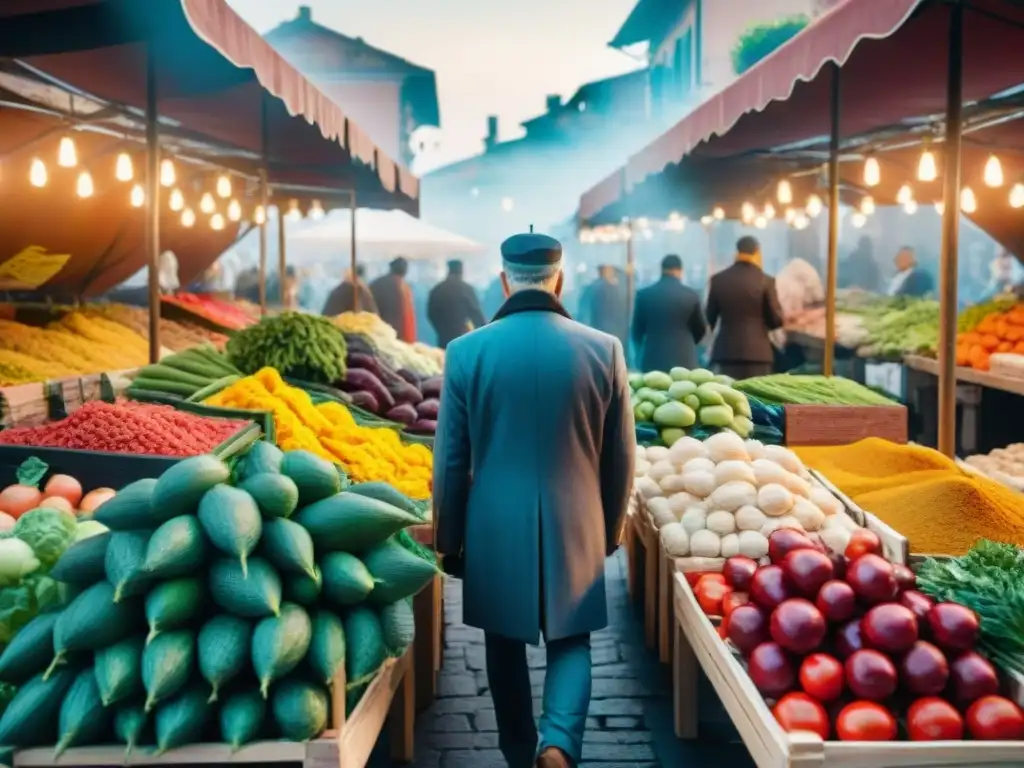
(531, 250)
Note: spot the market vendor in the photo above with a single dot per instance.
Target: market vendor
(910, 280)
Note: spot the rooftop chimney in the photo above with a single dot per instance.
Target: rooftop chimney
(492, 132)
(305, 13)
(554, 102)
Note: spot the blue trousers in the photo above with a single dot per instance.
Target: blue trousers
(566, 698)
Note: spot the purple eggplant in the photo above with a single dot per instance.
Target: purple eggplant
(366, 401)
(359, 380)
(404, 413)
(422, 427)
(364, 361)
(431, 388)
(400, 389)
(409, 376)
(428, 409)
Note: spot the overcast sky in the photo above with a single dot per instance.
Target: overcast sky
(490, 57)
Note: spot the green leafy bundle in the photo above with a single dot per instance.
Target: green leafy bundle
(300, 346)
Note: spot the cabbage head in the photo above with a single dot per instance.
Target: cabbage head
(48, 531)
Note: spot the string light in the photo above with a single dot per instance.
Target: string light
(188, 217)
(747, 212)
(294, 214)
(785, 192)
(176, 200)
(993, 172)
(858, 219)
(234, 211)
(37, 175)
(67, 155)
(85, 188)
(259, 216)
(968, 202)
(867, 205)
(707, 221)
(926, 170)
(316, 210)
(676, 222)
(904, 195)
(124, 171)
(718, 214)
(1017, 195)
(790, 215)
(814, 206)
(224, 187)
(872, 172)
(217, 222)
(167, 173)
(910, 207)
(801, 221)
(760, 222)
(207, 204)
(769, 211)
(138, 196)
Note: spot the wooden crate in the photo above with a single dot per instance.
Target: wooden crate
(347, 744)
(697, 643)
(842, 424)
(428, 610)
(895, 547)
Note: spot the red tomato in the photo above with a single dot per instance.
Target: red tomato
(799, 712)
(934, 719)
(709, 577)
(822, 677)
(692, 577)
(16, 500)
(865, 721)
(862, 542)
(710, 595)
(58, 502)
(732, 601)
(993, 718)
(64, 486)
(723, 629)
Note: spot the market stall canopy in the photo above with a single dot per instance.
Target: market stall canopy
(379, 234)
(893, 58)
(211, 72)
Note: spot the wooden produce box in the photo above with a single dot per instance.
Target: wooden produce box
(697, 643)
(642, 546)
(842, 424)
(428, 610)
(347, 744)
(895, 547)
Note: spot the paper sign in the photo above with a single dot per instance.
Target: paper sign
(31, 269)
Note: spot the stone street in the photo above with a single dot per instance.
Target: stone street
(630, 723)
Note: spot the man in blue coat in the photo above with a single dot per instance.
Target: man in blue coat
(533, 463)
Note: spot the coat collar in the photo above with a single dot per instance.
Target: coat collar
(530, 301)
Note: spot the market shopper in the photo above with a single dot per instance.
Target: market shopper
(533, 461)
(668, 322)
(604, 304)
(743, 309)
(453, 306)
(342, 298)
(394, 300)
(859, 269)
(911, 279)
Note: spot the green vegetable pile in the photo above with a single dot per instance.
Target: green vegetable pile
(299, 346)
(683, 401)
(911, 330)
(221, 600)
(195, 371)
(990, 581)
(787, 389)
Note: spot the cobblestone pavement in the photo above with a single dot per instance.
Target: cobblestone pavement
(630, 723)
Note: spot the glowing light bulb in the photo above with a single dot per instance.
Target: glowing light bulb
(124, 171)
(867, 205)
(801, 221)
(993, 172)
(259, 216)
(814, 206)
(207, 204)
(67, 155)
(316, 210)
(676, 222)
(785, 192)
(790, 215)
(167, 173)
(926, 170)
(718, 213)
(707, 221)
(234, 211)
(940, 207)
(138, 196)
(294, 214)
(769, 211)
(747, 212)
(760, 222)
(176, 201)
(910, 207)
(224, 186)
(37, 175)
(188, 217)
(904, 195)
(85, 188)
(1017, 195)
(968, 202)
(858, 219)
(217, 222)
(872, 172)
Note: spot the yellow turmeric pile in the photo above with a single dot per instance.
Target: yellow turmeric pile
(922, 494)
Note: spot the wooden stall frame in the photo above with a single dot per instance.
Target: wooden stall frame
(697, 642)
(347, 744)
(811, 425)
(428, 609)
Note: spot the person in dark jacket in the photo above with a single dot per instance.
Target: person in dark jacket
(744, 306)
(342, 298)
(394, 300)
(911, 280)
(859, 269)
(668, 322)
(453, 307)
(603, 305)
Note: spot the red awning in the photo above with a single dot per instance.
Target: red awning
(893, 57)
(212, 74)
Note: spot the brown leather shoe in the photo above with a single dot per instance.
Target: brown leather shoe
(553, 757)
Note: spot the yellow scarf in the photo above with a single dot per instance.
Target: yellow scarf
(747, 258)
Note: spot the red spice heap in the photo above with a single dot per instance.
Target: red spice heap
(128, 427)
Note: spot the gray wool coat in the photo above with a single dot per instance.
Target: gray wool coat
(533, 465)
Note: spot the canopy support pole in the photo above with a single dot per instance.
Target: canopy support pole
(282, 253)
(352, 249)
(950, 232)
(264, 198)
(832, 265)
(152, 228)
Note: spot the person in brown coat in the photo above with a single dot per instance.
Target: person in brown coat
(743, 308)
(342, 298)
